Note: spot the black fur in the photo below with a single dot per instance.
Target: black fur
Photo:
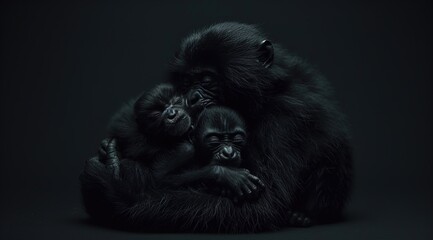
(140, 128)
(230, 132)
(220, 137)
(297, 144)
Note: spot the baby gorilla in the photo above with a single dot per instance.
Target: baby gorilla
(154, 130)
(219, 138)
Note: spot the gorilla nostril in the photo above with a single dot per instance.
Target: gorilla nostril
(171, 113)
(228, 152)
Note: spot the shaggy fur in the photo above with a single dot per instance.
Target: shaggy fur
(139, 127)
(297, 145)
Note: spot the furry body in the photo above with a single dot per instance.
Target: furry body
(297, 144)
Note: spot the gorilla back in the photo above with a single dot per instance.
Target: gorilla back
(297, 144)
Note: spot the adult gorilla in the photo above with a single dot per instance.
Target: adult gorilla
(297, 142)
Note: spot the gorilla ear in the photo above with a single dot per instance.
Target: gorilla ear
(266, 53)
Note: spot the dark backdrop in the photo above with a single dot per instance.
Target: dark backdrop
(67, 67)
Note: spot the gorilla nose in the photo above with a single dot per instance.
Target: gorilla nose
(227, 152)
(171, 113)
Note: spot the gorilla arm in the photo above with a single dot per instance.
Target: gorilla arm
(133, 201)
(240, 181)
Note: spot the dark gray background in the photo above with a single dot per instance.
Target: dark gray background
(67, 67)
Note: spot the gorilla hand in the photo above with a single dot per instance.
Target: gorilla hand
(195, 104)
(109, 157)
(239, 183)
(298, 219)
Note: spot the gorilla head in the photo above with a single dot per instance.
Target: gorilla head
(162, 111)
(295, 131)
(220, 136)
(226, 64)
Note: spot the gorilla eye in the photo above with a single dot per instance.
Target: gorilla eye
(207, 79)
(213, 138)
(155, 114)
(238, 138)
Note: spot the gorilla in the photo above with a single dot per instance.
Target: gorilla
(152, 133)
(219, 138)
(297, 145)
(154, 129)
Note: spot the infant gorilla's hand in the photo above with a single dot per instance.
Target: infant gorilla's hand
(109, 157)
(195, 104)
(236, 183)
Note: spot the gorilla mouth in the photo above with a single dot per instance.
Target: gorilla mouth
(177, 118)
(179, 125)
(234, 161)
(221, 157)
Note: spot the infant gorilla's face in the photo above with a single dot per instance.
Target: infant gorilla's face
(221, 136)
(175, 118)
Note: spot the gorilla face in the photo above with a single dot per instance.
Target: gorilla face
(174, 119)
(221, 136)
(218, 67)
(163, 113)
(201, 87)
(225, 147)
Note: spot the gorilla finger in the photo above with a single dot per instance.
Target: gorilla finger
(252, 186)
(102, 153)
(112, 161)
(293, 218)
(303, 220)
(104, 143)
(298, 219)
(94, 161)
(259, 182)
(112, 144)
(111, 150)
(115, 169)
(307, 222)
(256, 180)
(247, 191)
(252, 177)
(239, 192)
